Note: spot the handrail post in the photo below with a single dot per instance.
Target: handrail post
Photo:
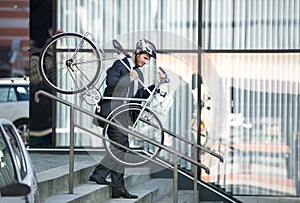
(71, 153)
(195, 175)
(175, 179)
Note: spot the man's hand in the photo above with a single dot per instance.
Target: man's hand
(161, 75)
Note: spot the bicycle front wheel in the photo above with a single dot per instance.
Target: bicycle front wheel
(70, 63)
(138, 120)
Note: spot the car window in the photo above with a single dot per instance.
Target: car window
(19, 156)
(22, 93)
(7, 171)
(7, 94)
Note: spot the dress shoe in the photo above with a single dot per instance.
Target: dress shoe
(100, 181)
(117, 193)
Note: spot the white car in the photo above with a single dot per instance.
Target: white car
(18, 182)
(14, 104)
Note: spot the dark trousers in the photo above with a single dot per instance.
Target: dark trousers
(108, 165)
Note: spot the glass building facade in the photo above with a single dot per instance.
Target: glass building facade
(239, 57)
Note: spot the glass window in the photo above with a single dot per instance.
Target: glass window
(7, 94)
(159, 19)
(258, 94)
(249, 102)
(22, 93)
(246, 25)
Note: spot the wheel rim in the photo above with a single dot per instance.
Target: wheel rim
(23, 130)
(152, 129)
(65, 71)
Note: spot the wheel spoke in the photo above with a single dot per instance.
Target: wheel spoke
(131, 117)
(70, 63)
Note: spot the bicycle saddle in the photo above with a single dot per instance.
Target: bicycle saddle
(119, 48)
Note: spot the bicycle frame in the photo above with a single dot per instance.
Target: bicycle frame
(146, 101)
(119, 49)
(70, 63)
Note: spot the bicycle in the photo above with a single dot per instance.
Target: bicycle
(71, 63)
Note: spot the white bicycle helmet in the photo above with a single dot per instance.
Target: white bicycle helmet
(146, 47)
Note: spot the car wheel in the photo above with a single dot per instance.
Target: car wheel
(23, 129)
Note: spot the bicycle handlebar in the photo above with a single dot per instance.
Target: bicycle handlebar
(162, 70)
(165, 79)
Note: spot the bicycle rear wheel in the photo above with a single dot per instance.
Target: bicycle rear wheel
(145, 122)
(70, 63)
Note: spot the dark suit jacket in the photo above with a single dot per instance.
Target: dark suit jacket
(118, 84)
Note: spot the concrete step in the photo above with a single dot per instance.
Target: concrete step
(52, 171)
(92, 192)
(148, 192)
(54, 183)
(184, 196)
(55, 180)
(82, 193)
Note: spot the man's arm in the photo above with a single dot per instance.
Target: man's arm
(118, 75)
(143, 93)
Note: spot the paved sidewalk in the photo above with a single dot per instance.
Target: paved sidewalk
(43, 161)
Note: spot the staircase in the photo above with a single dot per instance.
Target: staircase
(151, 187)
(54, 187)
(58, 185)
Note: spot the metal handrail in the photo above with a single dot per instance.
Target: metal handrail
(220, 157)
(136, 134)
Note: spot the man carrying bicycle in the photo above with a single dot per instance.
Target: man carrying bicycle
(121, 82)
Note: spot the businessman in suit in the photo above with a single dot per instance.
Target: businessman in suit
(121, 82)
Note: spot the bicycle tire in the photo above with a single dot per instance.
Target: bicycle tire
(148, 124)
(70, 63)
